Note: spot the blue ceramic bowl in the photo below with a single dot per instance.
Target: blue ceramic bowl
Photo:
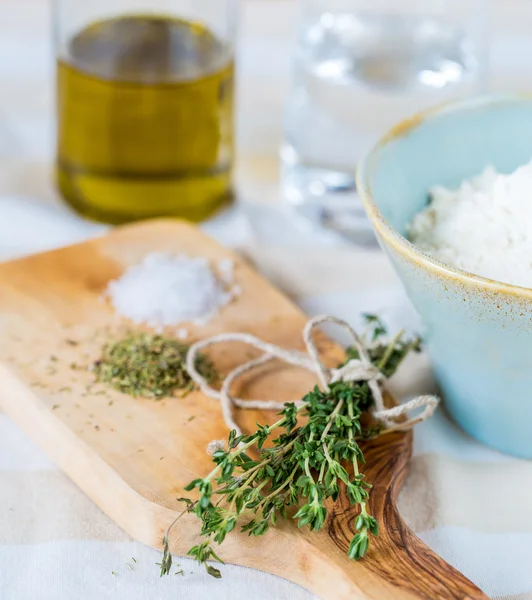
(478, 331)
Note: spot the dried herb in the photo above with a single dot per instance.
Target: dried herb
(148, 365)
(263, 477)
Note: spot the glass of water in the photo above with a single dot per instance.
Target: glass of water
(360, 67)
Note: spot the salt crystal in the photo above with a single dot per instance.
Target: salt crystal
(226, 268)
(166, 290)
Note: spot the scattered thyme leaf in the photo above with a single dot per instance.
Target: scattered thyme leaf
(148, 365)
(213, 572)
(166, 562)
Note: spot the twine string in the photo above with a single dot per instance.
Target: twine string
(359, 369)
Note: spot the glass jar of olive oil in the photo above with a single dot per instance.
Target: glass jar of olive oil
(145, 107)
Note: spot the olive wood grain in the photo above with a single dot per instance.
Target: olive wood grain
(133, 457)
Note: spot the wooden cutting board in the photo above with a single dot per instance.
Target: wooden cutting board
(133, 457)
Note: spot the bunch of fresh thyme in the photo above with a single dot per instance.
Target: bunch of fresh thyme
(306, 464)
(153, 366)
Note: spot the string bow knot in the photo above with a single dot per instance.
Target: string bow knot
(356, 370)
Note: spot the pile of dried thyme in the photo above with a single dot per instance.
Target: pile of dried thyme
(147, 365)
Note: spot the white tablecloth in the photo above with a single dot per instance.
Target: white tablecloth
(470, 504)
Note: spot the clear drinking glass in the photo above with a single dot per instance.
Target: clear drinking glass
(360, 67)
(145, 106)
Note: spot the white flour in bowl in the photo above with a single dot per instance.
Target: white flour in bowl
(484, 226)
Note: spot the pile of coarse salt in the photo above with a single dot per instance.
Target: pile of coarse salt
(484, 226)
(165, 290)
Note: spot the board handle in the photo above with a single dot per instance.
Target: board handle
(397, 556)
(399, 565)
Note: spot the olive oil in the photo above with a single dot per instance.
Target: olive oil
(145, 120)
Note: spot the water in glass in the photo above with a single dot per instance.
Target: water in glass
(355, 75)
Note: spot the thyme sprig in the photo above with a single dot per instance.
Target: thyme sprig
(265, 478)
